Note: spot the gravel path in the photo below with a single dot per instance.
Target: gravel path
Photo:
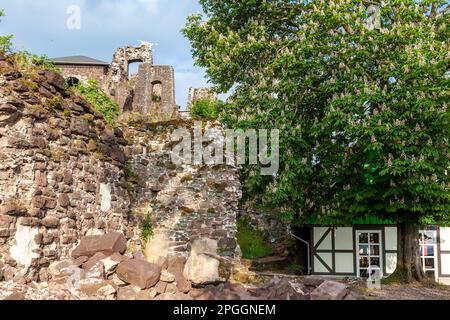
(411, 292)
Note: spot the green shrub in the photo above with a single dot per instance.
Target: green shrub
(206, 109)
(99, 99)
(5, 41)
(147, 228)
(25, 58)
(156, 98)
(253, 243)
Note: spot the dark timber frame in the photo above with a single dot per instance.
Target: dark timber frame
(332, 269)
(315, 251)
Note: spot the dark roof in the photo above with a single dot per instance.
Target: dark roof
(79, 60)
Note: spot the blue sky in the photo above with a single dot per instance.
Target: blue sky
(40, 26)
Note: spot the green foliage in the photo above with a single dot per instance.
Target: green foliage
(363, 112)
(99, 99)
(206, 109)
(129, 173)
(147, 228)
(252, 242)
(26, 59)
(156, 98)
(5, 41)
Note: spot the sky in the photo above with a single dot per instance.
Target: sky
(41, 27)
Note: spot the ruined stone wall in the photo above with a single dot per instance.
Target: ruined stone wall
(154, 92)
(186, 202)
(199, 94)
(151, 92)
(65, 174)
(61, 174)
(84, 73)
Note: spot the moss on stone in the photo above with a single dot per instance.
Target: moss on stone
(253, 243)
(88, 116)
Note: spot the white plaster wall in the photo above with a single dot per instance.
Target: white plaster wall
(105, 193)
(344, 238)
(22, 251)
(445, 264)
(390, 235)
(391, 262)
(445, 239)
(445, 281)
(318, 266)
(344, 262)
(318, 233)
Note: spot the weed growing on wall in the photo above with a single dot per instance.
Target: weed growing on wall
(99, 99)
(206, 109)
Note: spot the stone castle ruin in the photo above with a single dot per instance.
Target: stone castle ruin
(199, 94)
(73, 188)
(151, 92)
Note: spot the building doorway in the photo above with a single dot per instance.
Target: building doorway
(428, 248)
(368, 250)
(72, 82)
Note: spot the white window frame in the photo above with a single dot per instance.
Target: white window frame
(434, 256)
(380, 256)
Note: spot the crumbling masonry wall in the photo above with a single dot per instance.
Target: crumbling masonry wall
(199, 94)
(151, 92)
(84, 73)
(61, 174)
(187, 202)
(65, 174)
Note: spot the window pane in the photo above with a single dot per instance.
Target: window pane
(430, 237)
(375, 262)
(363, 273)
(375, 250)
(363, 249)
(363, 238)
(430, 273)
(364, 262)
(374, 238)
(429, 263)
(427, 251)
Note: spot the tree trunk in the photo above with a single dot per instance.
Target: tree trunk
(409, 265)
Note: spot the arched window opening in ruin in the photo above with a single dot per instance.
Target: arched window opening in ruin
(72, 82)
(156, 91)
(133, 68)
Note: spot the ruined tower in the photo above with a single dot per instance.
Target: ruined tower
(199, 94)
(151, 92)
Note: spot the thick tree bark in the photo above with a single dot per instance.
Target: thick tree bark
(409, 265)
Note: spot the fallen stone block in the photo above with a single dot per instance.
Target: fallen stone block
(106, 244)
(128, 293)
(112, 262)
(166, 276)
(201, 267)
(97, 287)
(175, 265)
(95, 259)
(313, 281)
(139, 273)
(329, 290)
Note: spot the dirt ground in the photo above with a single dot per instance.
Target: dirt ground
(408, 292)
